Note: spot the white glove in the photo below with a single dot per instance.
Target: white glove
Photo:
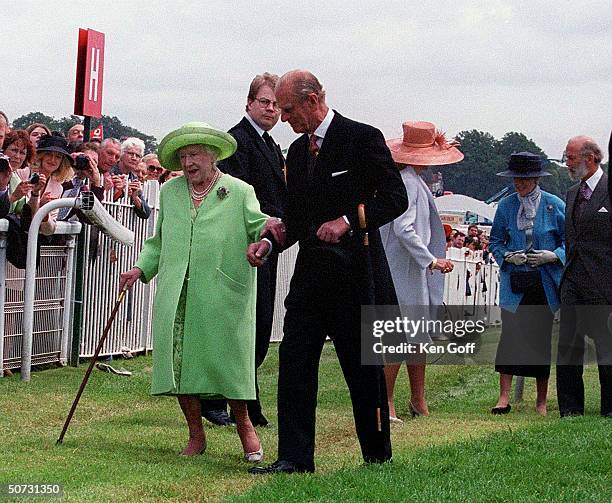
(536, 258)
(516, 258)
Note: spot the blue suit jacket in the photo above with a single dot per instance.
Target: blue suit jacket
(548, 234)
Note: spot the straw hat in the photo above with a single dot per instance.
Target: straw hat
(422, 145)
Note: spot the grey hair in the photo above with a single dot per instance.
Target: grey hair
(149, 157)
(132, 142)
(212, 151)
(110, 141)
(303, 83)
(590, 147)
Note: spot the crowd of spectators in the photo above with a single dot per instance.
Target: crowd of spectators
(38, 165)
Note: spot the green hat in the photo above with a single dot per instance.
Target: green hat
(194, 133)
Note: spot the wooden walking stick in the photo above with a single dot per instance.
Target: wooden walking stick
(370, 296)
(92, 363)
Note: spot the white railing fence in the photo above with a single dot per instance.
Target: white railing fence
(105, 259)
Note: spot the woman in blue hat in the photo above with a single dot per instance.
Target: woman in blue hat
(204, 310)
(528, 242)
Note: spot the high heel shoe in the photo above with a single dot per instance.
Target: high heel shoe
(254, 457)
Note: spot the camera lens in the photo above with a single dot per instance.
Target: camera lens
(82, 162)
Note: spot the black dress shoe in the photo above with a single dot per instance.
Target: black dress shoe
(218, 417)
(498, 411)
(280, 466)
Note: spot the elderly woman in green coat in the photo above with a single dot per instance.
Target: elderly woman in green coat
(204, 309)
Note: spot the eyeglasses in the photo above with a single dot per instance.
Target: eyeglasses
(134, 154)
(265, 102)
(152, 168)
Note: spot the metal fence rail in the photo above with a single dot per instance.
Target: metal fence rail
(106, 260)
(49, 338)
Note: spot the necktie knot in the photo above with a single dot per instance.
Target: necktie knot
(313, 146)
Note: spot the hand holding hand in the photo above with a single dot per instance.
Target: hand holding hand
(276, 227)
(536, 258)
(515, 258)
(127, 279)
(332, 231)
(256, 252)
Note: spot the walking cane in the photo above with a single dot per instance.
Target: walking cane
(370, 292)
(92, 363)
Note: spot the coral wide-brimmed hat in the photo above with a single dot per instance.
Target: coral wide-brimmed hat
(194, 133)
(422, 145)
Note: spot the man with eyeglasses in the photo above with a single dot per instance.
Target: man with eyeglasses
(586, 284)
(259, 162)
(132, 150)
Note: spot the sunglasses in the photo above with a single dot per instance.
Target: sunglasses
(154, 169)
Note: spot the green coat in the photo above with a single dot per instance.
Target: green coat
(219, 334)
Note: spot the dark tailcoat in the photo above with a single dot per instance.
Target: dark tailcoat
(586, 296)
(327, 289)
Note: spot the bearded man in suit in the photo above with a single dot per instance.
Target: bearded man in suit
(334, 166)
(586, 284)
(259, 162)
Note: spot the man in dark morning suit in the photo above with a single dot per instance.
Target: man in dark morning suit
(335, 165)
(259, 162)
(586, 284)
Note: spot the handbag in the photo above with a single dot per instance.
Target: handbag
(522, 281)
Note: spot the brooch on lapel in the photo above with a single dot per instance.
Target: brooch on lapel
(222, 192)
(549, 207)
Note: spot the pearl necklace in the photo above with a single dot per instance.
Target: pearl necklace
(198, 195)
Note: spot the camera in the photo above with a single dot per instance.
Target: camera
(4, 162)
(82, 163)
(34, 179)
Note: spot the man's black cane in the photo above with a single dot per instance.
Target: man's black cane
(92, 363)
(370, 297)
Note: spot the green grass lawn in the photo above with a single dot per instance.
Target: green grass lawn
(123, 444)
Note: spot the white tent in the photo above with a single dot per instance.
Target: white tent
(458, 202)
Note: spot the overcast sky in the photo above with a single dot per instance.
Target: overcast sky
(539, 67)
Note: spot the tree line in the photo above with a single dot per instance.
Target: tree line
(475, 176)
(112, 127)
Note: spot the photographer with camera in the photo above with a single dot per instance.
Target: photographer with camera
(19, 151)
(87, 177)
(53, 166)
